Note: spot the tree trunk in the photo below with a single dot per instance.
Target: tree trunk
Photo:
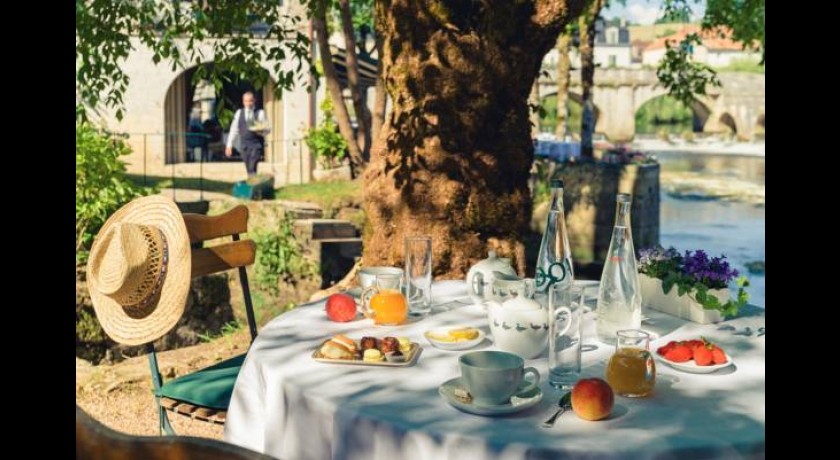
(587, 76)
(353, 79)
(380, 104)
(342, 116)
(564, 66)
(454, 157)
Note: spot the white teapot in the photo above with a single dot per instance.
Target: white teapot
(519, 324)
(480, 276)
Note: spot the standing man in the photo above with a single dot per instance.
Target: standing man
(250, 126)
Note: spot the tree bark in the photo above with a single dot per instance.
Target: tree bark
(454, 156)
(564, 66)
(587, 76)
(353, 79)
(319, 23)
(380, 104)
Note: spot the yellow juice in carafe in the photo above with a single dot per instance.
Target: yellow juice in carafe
(631, 372)
(389, 307)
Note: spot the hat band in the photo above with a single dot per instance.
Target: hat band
(161, 276)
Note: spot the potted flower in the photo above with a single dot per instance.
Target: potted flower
(690, 286)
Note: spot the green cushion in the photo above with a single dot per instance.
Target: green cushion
(210, 387)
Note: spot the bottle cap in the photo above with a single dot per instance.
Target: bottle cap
(556, 183)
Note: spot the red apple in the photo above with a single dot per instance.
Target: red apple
(592, 399)
(341, 308)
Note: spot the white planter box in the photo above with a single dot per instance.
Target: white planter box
(680, 306)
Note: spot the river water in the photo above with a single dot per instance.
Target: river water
(716, 203)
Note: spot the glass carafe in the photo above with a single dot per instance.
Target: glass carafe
(631, 371)
(619, 295)
(554, 261)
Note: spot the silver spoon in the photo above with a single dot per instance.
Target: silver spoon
(565, 404)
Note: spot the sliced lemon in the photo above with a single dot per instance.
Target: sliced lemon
(467, 333)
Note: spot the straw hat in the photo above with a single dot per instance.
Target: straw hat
(139, 270)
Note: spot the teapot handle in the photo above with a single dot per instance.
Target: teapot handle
(530, 288)
(476, 283)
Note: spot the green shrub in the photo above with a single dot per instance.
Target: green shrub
(280, 257)
(101, 185)
(325, 142)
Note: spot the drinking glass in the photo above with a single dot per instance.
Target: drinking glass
(384, 301)
(418, 274)
(631, 371)
(565, 315)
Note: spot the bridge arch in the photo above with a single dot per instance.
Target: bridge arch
(575, 98)
(659, 110)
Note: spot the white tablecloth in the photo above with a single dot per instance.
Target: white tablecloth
(287, 405)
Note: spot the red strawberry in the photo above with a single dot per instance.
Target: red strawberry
(703, 356)
(718, 356)
(678, 354)
(664, 349)
(694, 344)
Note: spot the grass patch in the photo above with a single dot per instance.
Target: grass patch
(328, 195)
(190, 183)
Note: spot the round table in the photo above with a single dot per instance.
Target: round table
(287, 405)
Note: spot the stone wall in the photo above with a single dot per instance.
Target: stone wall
(590, 203)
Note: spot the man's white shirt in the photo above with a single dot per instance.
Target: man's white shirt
(233, 135)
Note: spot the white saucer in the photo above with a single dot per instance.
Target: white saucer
(452, 346)
(691, 367)
(520, 402)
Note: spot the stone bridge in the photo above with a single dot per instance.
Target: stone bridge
(737, 106)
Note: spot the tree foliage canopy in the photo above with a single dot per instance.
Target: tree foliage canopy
(183, 33)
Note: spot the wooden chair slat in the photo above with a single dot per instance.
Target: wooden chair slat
(223, 257)
(202, 228)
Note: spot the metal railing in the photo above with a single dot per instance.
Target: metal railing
(277, 151)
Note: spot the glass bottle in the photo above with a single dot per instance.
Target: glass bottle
(619, 295)
(554, 262)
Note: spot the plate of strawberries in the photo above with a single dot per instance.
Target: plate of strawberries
(697, 356)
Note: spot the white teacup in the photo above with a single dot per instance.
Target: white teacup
(367, 275)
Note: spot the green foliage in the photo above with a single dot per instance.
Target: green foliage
(254, 31)
(664, 114)
(280, 257)
(744, 19)
(101, 185)
(743, 65)
(227, 330)
(548, 121)
(325, 142)
(681, 75)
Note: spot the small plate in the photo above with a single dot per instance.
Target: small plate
(452, 346)
(520, 402)
(691, 367)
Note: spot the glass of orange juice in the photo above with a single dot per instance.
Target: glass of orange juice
(384, 302)
(631, 371)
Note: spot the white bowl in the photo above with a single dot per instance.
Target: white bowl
(692, 367)
(452, 346)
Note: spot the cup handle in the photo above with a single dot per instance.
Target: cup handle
(557, 311)
(365, 300)
(533, 384)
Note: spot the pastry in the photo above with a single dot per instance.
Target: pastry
(338, 349)
(346, 341)
(369, 342)
(395, 356)
(373, 355)
(388, 344)
(405, 344)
